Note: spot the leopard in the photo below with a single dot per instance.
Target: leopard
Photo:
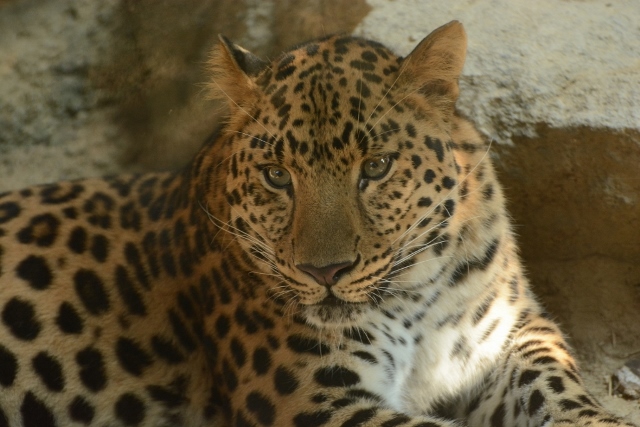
(338, 253)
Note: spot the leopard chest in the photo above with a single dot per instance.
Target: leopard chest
(417, 356)
(394, 357)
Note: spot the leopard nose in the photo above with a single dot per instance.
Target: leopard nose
(329, 274)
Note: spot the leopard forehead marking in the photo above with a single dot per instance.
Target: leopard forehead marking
(331, 101)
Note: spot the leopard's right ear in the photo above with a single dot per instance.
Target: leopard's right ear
(233, 70)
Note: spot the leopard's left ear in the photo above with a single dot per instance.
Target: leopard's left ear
(434, 66)
(233, 71)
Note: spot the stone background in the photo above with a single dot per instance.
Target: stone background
(98, 87)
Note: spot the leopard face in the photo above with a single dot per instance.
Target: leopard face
(341, 175)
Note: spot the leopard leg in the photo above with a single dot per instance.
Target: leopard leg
(353, 407)
(538, 385)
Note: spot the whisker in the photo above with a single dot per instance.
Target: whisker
(270, 144)
(406, 245)
(243, 110)
(384, 96)
(394, 106)
(454, 188)
(394, 274)
(234, 231)
(280, 276)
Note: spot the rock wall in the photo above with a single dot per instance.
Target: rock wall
(91, 88)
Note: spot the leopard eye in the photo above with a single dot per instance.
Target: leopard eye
(277, 177)
(376, 167)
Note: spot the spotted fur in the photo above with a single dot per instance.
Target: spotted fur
(276, 281)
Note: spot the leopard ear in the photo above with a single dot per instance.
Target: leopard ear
(434, 66)
(233, 70)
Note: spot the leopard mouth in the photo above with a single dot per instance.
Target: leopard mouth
(332, 301)
(336, 313)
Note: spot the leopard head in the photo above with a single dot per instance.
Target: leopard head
(339, 172)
